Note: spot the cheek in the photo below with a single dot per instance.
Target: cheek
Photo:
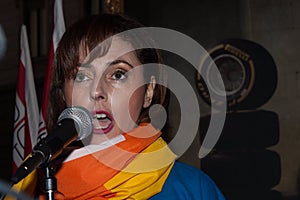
(127, 106)
(136, 103)
(74, 95)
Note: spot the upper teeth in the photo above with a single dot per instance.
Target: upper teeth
(100, 116)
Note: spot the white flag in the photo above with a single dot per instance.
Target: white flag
(26, 108)
(58, 31)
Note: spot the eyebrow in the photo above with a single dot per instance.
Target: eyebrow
(121, 61)
(115, 62)
(80, 64)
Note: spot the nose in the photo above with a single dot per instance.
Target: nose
(99, 91)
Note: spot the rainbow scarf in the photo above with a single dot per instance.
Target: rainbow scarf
(134, 165)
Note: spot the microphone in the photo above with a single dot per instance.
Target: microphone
(74, 123)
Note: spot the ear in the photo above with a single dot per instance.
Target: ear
(63, 97)
(149, 92)
(62, 92)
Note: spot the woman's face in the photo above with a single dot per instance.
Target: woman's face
(112, 88)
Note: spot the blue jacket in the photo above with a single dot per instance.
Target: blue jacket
(186, 183)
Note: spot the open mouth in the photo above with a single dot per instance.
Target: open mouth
(102, 122)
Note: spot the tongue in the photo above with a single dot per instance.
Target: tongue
(101, 123)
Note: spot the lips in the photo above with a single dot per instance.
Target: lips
(102, 122)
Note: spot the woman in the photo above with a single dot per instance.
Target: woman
(100, 68)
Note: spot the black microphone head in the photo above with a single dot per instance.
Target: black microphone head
(82, 120)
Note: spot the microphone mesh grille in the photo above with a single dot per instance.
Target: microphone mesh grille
(82, 120)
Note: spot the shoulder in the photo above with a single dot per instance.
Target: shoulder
(187, 182)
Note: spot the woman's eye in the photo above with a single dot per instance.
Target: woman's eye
(80, 77)
(119, 75)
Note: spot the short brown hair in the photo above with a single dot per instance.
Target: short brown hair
(89, 32)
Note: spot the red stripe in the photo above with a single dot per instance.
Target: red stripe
(19, 123)
(27, 142)
(21, 83)
(47, 82)
(21, 92)
(14, 167)
(42, 129)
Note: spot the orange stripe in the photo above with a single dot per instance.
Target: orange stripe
(91, 172)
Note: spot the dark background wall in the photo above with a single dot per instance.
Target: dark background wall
(275, 24)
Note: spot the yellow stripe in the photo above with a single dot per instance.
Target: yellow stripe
(145, 175)
(27, 186)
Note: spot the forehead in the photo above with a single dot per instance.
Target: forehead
(110, 49)
(120, 47)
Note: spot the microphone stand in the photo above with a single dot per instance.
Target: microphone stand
(50, 184)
